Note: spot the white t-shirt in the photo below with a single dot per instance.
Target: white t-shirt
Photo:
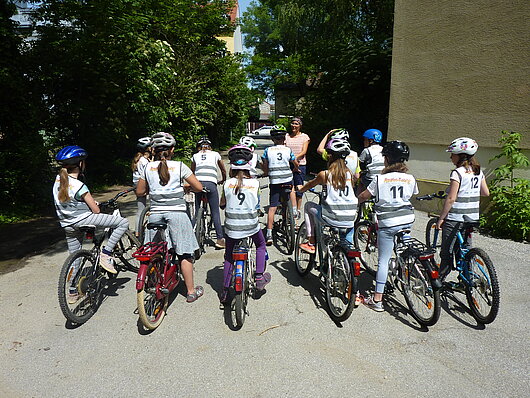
(468, 197)
(142, 162)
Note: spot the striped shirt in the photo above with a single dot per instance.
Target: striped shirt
(296, 144)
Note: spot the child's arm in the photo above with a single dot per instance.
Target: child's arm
(142, 189)
(364, 196)
(303, 152)
(195, 184)
(89, 200)
(322, 145)
(223, 169)
(193, 166)
(265, 166)
(320, 179)
(222, 202)
(484, 190)
(449, 201)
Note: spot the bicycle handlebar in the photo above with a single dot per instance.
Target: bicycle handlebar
(112, 202)
(435, 195)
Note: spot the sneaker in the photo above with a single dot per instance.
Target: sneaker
(220, 244)
(373, 305)
(73, 298)
(107, 263)
(268, 239)
(262, 280)
(358, 300)
(223, 295)
(308, 248)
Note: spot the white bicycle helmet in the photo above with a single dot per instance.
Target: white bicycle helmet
(248, 141)
(339, 147)
(163, 140)
(341, 134)
(463, 145)
(144, 143)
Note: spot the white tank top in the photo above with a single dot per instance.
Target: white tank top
(206, 165)
(392, 193)
(339, 208)
(241, 212)
(468, 198)
(168, 197)
(73, 210)
(278, 157)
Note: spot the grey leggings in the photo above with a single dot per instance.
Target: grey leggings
(74, 237)
(213, 202)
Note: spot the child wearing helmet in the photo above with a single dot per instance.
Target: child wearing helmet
(75, 207)
(140, 160)
(163, 180)
(339, 206)
(241, 200)
(277, 161)
(352, 160)
(371, 159)
(392, 190)
(206, 164)
(299, 143)
(467, 185)
(254, 163)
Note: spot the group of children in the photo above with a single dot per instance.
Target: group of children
(379, 172)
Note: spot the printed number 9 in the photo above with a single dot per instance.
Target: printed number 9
(241, 197)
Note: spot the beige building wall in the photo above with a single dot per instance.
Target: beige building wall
(459, 68)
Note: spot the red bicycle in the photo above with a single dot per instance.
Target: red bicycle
(158, 276)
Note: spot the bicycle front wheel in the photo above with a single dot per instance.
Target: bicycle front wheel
(152, 304)
(127, 245)
(79, 287)
(303, 260)
(289, 227)
(200, 231)
(433, 238)
(482, 291)
(340, 287)
(365, 238)
(422, 299)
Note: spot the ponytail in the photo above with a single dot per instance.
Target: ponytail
(63, 185)
(134, 163)
(163, 170)
(239, 174)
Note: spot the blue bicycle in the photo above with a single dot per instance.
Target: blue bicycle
(476, 273)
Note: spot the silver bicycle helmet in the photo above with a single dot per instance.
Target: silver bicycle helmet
(144, 143)
(163, 140)
(248, 141)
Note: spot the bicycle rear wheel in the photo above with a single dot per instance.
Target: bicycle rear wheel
(340, 286)
(80, 286)
(365, 238)
(430, 234)
(240, 299)
(200, 231)
(482, 292)
(289, 227)
(127, 245)
(303, 260)
(144, 220)
(152, 308)
(422, 299)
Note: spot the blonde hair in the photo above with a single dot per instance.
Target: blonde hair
(64, 183)
(163, 170)
(339, 172)
(240, 174)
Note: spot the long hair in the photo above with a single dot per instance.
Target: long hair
(136, 159)
(240, 174)
(163, 171)
(398, 167)
(339, 171)
(64, 183)
(468, 162)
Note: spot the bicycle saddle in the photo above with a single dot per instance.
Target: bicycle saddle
(87, 228)
(468, 222)
(156, 225)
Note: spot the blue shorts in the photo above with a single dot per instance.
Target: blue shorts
(299, 179)
(275, 190)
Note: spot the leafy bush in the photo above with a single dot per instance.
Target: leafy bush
(509, 213)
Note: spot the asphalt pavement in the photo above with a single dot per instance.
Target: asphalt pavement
(288, 346)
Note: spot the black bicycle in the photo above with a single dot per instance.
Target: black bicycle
(82, 280)
(203, 224)
(283, 228)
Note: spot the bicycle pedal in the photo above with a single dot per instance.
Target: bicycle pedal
(164, 290)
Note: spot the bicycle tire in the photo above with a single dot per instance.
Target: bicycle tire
(152, 310)
(482, 286)
(199, 233)
(304, 261)
(340, 286)
(241, 298)
(127, 245)
(144, 217)
(422, 299)
(289, 227)
(365, 238)
(88, 287)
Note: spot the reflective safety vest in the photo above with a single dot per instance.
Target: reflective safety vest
(241, 212)
(468, 198)
(377, 164)
(339, 207)
(206, 165)
(278, 157)
(74, 210)
(168, 197)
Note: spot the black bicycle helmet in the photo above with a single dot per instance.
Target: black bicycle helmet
(204, 140)
(278, 131)
(71, 154)
(239, 155)
(396, 151)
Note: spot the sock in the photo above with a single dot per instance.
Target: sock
(109, 253)
(258, 276)
(269, 232)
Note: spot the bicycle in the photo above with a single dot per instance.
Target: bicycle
(283, 227)
(365, 238)
(475, 269)
(158, 276)
(203, 224)
(414, 271)
(242, 285)
(339, 269)
(82, 271)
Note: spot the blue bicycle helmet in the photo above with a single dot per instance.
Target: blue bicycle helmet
(71, 154)
(373, 134)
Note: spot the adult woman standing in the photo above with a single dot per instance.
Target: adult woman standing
(298, 142)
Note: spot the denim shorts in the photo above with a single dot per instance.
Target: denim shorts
(275, 190)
